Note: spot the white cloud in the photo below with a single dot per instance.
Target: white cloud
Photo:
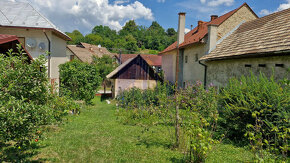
(186, 30)
(121, 2)
(203, 1)
(221, 2)
(85, 14)
(161, 1)
(282, 6)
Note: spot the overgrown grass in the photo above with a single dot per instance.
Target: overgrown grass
(96, 135)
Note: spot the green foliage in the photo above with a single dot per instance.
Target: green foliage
(26, 101)
(259, 109)
(199, 115)
(76, 37)
(197, 118)
(79, 80)
(129, 39)
(251, 110)
(105, 65)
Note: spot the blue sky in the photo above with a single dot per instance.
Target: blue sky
(85, 14)
(166, 13)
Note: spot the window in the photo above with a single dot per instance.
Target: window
(72, 57)
(279, 65)
(248, 65)
(186, 58)
(196, 57)
(22, 40)
(262, 65)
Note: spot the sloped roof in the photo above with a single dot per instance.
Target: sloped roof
(23, 15)
(7, 38)
(195, 35)
(85, 52)
(100, 51)
(119, 68)
(264, 35)
(10, 38)
(152, 60)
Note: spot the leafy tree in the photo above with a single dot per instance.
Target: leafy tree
(171, 32)
(131, 44)
(93, 39)
(104, 65)
(76, 37)
(79, 80)
(26, 101)
(152, 38)
(129, 28)
(105, 32)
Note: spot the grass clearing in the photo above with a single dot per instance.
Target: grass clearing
(97, 136)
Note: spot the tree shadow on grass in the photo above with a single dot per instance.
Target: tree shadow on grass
(9, 153)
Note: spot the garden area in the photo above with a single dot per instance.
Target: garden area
(97, 135)
(245, 121)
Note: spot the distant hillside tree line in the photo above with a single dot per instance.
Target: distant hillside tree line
(131, 38)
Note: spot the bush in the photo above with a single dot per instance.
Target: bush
(79, 80)
(198, 119)
(26, 103)
(258, 107)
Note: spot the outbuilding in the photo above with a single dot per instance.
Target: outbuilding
(135, 72)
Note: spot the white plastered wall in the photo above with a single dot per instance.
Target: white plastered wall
(58, 46)
(169, 65)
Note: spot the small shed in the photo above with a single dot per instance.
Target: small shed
(135, 72)
(8, 42)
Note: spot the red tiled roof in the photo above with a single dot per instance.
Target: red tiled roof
(152, 60)
(196, 35)
(7, 38)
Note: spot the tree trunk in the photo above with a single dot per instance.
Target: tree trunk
(177, 127)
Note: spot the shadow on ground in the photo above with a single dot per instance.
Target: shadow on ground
(9, 153)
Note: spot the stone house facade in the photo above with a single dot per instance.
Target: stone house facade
(258, 46)
(180, 61)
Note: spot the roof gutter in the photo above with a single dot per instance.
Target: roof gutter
(49, 51)
(205, 72)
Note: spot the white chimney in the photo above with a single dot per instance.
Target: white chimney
(212, 37)
(181, 28)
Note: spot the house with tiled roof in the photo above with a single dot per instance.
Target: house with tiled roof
(134, 72)
(85, 52)
(154, 61)
(260, 45)
(36, 33)
(180, 61)
(10, 42)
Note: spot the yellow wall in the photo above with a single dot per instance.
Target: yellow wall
(125, 84)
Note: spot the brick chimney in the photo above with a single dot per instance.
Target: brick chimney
(181, 28)
(213, 17)
(212, 37)
(199, 25)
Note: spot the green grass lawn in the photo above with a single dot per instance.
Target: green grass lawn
(96, 135)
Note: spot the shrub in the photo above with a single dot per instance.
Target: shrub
(198, 119)
(259, 107)
(25, 99)
(79, 80)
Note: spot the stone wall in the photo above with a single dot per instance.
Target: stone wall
(220, 71)
(192, 70)
(243, 14)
